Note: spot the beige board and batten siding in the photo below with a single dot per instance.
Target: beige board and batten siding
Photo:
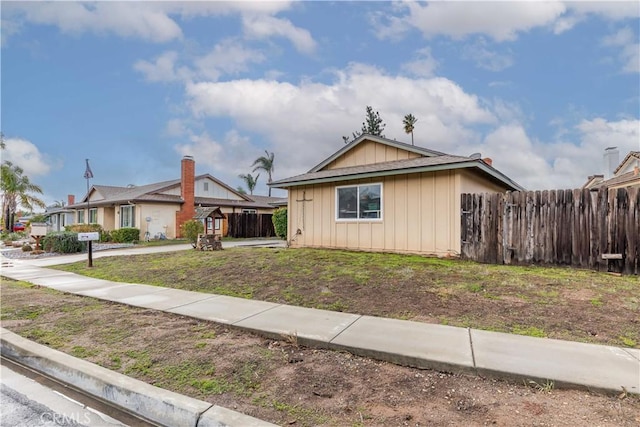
(420, 214)
(369, 152)
(474, 183)
(163, 219)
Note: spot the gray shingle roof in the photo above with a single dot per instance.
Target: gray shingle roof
(420, 164)
(630, 177)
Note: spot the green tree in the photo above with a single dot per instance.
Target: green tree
(373, 125)
(409, 123)
(17, 189)
(250, 181)
(265, 163)
(279, 219)
(190, 230)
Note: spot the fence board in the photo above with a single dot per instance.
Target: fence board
(243, 225)
(561, 227)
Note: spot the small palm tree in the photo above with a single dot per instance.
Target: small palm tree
(409, 123)
(265, 163)
(16, 189)
(250, 181)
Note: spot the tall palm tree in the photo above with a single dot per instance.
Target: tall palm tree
(16, 188)
(409, 123)
(250, 180)
(265, 163)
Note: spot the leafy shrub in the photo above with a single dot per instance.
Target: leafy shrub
(26, 248)
(64, 242)
(190, 230)
(8, 238)
(125, 235)
(90, 228)
(279, 219)
(84, 228)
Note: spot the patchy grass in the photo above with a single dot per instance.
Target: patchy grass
(562, 303)
(279, 380)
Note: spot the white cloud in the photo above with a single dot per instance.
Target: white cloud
(501, 21)
(485, 58)
(612, 10)
(227, 57)
(562, 163)
(424, 64)
(226, 158)
(161, 70)
(151, 21)
(629, 55)
(25, 154)
(294, 117)
(126, 19)
(263, 26)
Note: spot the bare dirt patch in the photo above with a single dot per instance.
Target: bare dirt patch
(286, 384)
(560, 303)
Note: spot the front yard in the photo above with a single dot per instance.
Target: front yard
(560, 303)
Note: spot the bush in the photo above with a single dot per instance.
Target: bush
(84, 228)
(9, 238)
(64, 242)
(279, 219)
(89, 228)
(26, 248)
(190, 230)
(125, 235)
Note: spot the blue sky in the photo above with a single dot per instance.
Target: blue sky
(540, 87)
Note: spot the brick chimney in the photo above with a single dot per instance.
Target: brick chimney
(71, 199)
(488, 161)
(187, 192)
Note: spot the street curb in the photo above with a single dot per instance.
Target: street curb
(157, 405)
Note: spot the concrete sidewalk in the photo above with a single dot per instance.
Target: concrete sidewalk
(422, 345)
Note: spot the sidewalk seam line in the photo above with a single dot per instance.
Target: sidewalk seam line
(182, 305)
(473, 355)
(344, 329)
(255, 314)
(629, 353)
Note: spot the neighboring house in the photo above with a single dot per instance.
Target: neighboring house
(161, 208)
(376, 194)
(621, 175)
(60, 216)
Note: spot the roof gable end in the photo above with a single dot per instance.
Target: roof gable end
(363, 139)
(630, 159)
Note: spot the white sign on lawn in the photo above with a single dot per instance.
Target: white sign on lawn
(86, 237)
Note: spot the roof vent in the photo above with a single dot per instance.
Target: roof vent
(475, 156)
(131, 186)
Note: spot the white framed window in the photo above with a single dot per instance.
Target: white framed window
(249, 211)
(359, 202)
(218, 224)
(93, 216)
(205, 186)
(81, 217)
(127, 216)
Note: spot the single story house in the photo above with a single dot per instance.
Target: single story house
(161, 208)
(60, 216)
(625, 174)
(377, 194)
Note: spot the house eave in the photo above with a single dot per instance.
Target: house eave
(433, 168)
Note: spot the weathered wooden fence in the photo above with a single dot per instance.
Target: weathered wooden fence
(556, 227)
(250, 225)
